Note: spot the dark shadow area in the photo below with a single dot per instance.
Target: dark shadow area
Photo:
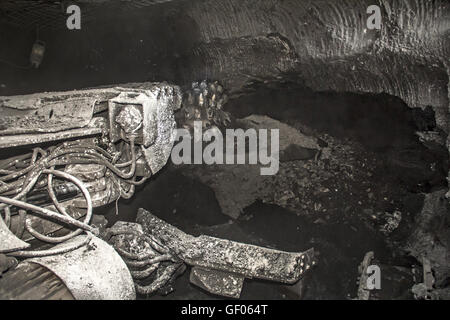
(118, 46)
(379, 122)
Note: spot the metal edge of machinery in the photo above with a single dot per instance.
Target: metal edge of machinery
(91, 272)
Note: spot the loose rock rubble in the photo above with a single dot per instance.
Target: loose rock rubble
(342, 182)
(331, 178)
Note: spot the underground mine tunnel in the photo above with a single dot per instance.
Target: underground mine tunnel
(122, 125)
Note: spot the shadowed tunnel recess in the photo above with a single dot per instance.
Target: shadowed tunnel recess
(310, 64)
(379, 167)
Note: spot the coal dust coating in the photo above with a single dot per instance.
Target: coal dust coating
(224, 149)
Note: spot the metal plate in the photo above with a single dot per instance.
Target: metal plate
(92, 272)
(29, 114)
(159, 118)
(217, 282)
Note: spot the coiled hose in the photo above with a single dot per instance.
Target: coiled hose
(20, 174)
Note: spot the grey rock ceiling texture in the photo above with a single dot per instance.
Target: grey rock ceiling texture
(324, 43)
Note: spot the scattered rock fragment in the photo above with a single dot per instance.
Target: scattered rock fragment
(430, 237)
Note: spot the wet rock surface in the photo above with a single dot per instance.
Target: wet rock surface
(430, 236)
